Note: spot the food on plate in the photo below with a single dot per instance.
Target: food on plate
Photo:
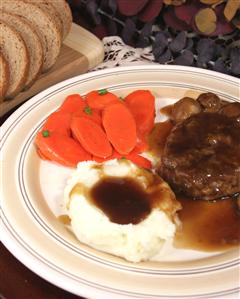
(65, 150)
(208, 225)
(101, 126)
(184, 108)
(119, 208)
(142, 105)
(119, 199)
(72, 104)
(231, 110)
(201, 157)
(15, 53)
(207, 159)
(42, 25)
(210, 102)
(91, 136)
(120, 127)
(99, 99)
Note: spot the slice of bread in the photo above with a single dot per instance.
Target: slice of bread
(4, 77)
(44, 25)
(48, 8)
(65, 14)
(15, 52)
(32, 42)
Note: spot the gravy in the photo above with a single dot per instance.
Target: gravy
(123, 200)
(208, 226)
(158, 137)
(205, 225)
(167, 110)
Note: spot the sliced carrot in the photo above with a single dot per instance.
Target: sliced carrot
(58, 121)
(142, 105)
(139, 160)
(61, 149)
(142, 144)
(41, 155)
(133, 157)
(90, 113)
(72, 103)
(97, 100)
(91, 136)
(120, 127)
(86, 129)
(114, 155)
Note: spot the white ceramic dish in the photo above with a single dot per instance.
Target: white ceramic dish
(31, 198)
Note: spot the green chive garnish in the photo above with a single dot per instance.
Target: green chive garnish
(101, 92)
(45, 133)
(88, 110)
(121, 98)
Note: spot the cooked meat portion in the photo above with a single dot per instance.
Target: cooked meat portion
(184, 108)
(201, 157)
(231, 110)
(210, 102)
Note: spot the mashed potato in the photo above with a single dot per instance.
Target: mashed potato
(134, 242)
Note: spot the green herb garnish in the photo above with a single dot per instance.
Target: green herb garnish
(101, 92)
(121, 99)
(45, 133)
(88, 110)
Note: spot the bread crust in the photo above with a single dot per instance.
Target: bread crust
(32, 41)
(65, 14)
(44, 25)
(49, 9)
(7, 37)
(4, 80)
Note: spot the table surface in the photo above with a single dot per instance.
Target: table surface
(18, 282)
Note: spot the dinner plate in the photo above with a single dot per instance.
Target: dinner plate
(32, 199)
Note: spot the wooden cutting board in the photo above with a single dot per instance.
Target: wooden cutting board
(81, 51)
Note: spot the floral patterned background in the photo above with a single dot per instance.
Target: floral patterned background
(200, 33)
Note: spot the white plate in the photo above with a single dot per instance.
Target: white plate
(31, 198)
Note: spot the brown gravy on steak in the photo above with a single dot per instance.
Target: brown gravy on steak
(202, 156)
(207, 226)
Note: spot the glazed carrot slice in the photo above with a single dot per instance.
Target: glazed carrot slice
(142, 105)
(61, 149)
(120, 127)
(91, 136)
(142, 144)
(58, 121)
(89, 113)
(101, 99)
(114, 155)
(139, 161)
(72, 103)
(41, 155)
(133, 157)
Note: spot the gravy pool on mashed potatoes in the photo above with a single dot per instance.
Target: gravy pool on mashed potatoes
(112, 219)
